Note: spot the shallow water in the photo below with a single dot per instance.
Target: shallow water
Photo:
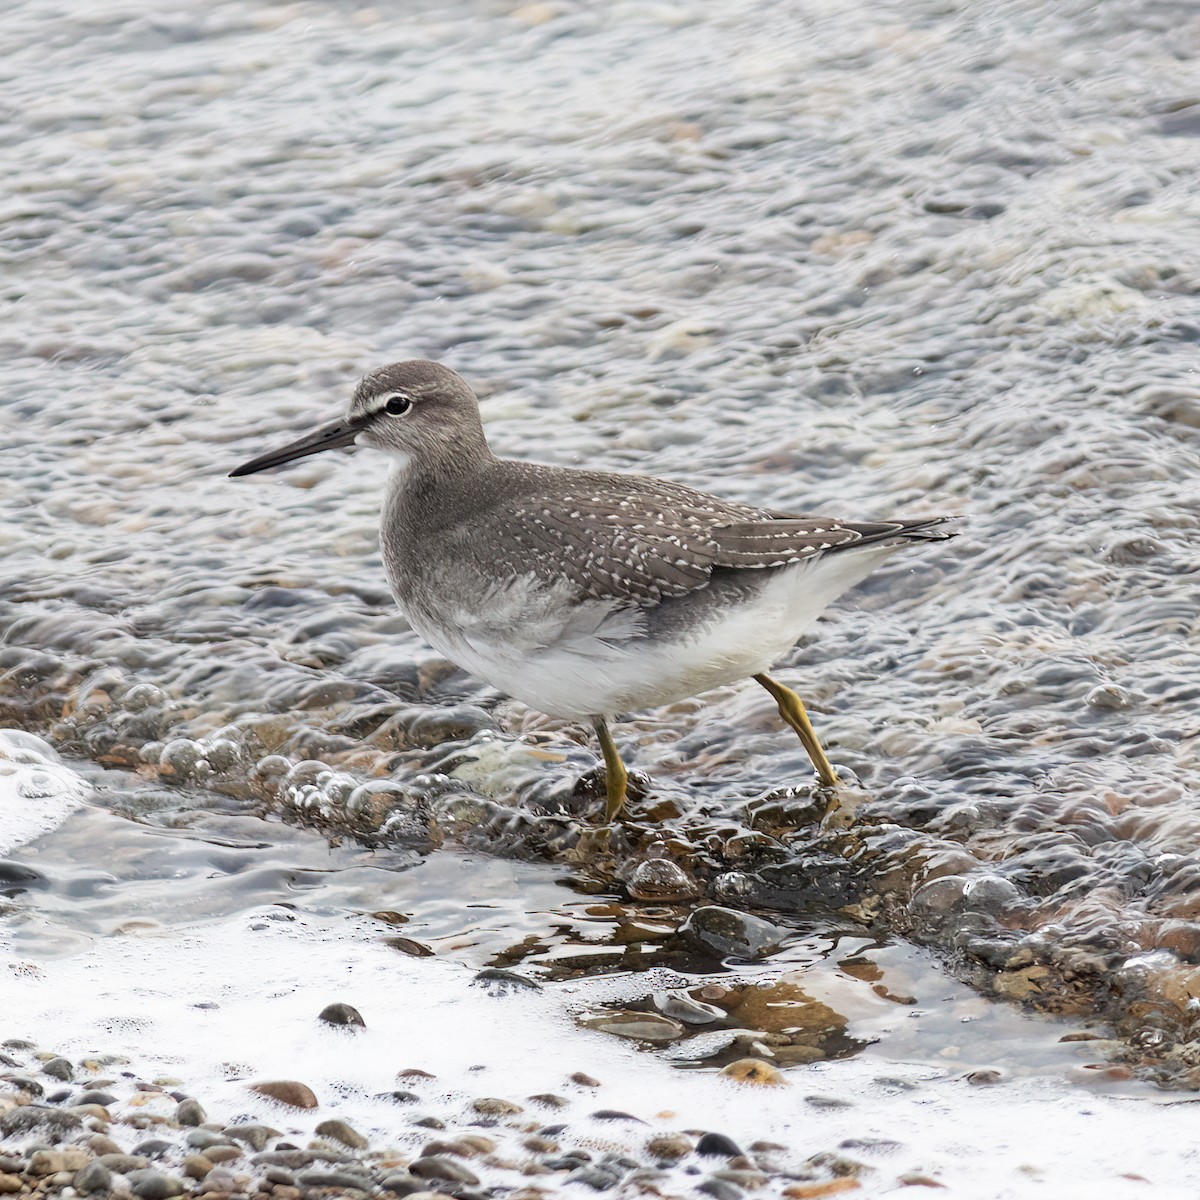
(860, 259)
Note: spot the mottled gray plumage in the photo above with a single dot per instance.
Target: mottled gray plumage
(588, 592)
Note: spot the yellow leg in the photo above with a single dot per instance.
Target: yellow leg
(615, 775)
(791, 709)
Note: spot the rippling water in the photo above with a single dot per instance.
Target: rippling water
(858, 259)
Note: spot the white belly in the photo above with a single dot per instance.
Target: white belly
(596, 660)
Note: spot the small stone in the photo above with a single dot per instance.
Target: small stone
(286, 1091)
(59, 1068)
(345, 1015)
(10, 1184)
(104, 1099)
(719, 1189)
(663, 880)
(280, 1175)
(491, 1106)
(340, 1131)
(46, 1162)
(439, 1166)
(638, 1026)
(597, 1178)
(679, 1006)
(122, 1164)
(403, 1183)
(253, 1135)
(196, 1166)
(153, 1147)
(223, 1154)
(95, 1177)
(913, 1179)
(97, 1143)
(584, 1080)
(828, 1102)
(499, 982)
(190, 1112)
(409, 946)
(414, 1073)
(985, 1076)
(812, 1191)
(550, 1100)
(718, 1145)
(754, 1070)
(154, 1185)
(613, 1114)
(669, 1146)
(732, 934)
(52, 1123)
(332, 1176)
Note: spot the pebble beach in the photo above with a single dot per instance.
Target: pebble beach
(291, 906)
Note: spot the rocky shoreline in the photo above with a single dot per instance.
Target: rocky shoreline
(95, 1127)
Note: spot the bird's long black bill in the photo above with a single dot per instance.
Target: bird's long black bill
(328, 437)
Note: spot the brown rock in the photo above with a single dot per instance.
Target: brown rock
(491, 1106)
(10, 1184)
(196, 1166)
(286, 1091)
(754, 1070)
(670, 1146)
(341, 1132)
(810, 1191)
(584, 1080)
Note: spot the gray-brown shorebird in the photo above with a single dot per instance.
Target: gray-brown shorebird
(586, 594)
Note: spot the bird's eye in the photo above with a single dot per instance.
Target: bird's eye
(398, 405)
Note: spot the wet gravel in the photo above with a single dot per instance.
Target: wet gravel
(905, 259)
(150, 1139)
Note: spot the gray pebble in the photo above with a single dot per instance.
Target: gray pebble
(340, 1131)
(104, 1099)
(718, 1145)
(202, 1139)
(730, 933)
(597, 1178)
(499, 982)
(122, 1164)
(190, 1112)
(401, 1183)
(438, 1166)
(292, 1159)
(95, 1177)
(59, 1068)
(335, 1177)
(255, 1136)
(153, 1148)
(154, 1185)
(53, 1123)
(342, 1014)
(720, 1189)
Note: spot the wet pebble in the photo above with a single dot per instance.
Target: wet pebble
(59, 1068)
(732, 934)
(94, 1177)
(341, 1132)
(252, 1134)
(638, 1026)
(190, 1112)
(662, 880)
(439, 1166)
(154, 1185)
(717, 1145)
(755, 1070)
(286, 1091)
(342, 1014)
